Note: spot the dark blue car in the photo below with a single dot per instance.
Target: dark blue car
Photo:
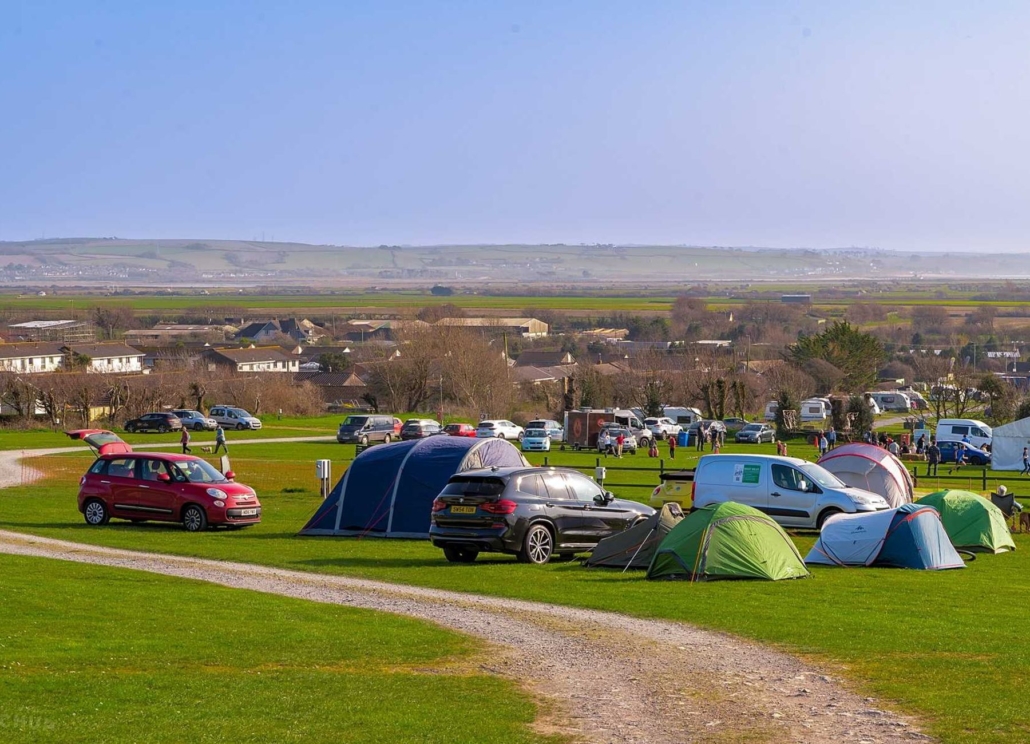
(970, 454)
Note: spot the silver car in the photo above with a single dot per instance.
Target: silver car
(195, 420)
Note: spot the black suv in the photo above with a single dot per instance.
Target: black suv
(161, 422)
(420, 428)
(532, 512)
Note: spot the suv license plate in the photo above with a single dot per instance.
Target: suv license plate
(463, 510)
(248, 512)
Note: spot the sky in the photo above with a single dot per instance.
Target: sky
(898, 125)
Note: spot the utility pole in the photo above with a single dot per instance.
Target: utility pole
(747, 363)
(441, 400)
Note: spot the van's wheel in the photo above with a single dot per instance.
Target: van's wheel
(387, 439)
(460, 555)
(194, 519)
(96, 513)
(826, 514)
(537, 546)
(239, 427)
(364, 441)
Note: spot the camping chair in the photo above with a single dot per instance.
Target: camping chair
(1007, 504)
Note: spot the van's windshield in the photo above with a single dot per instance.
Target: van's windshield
(822, 476)
(355, 421)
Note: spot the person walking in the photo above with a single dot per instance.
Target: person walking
(220, 440)
(831, 437)
(1026, 461)
(960, 457)
(184, 440)
(672, 447)
(604, 442)
(933, 457)
(620, 440)
(824, 444)
(920, 444)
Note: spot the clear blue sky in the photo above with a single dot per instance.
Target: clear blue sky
(823, 124)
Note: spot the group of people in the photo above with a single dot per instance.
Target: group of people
(826, 441)
(184, 440)
(610, 445)
(709, 435)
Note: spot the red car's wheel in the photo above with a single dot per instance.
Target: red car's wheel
(96, 513)
(194, 519)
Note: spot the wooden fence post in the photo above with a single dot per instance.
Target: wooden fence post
(985, 479)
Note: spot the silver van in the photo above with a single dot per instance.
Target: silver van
(794, 492)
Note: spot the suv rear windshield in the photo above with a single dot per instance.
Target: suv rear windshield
(474, 487)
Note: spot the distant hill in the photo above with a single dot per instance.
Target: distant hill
(114, 261)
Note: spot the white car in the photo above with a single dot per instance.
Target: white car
(536, 440)
(231, 417)
(662, 428)
(499, 428)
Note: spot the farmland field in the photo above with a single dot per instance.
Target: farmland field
(943, 645)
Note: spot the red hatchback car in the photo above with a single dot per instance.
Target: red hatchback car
(460, 430)
(160, 486)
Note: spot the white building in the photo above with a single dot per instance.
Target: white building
(106, 358)
(31, 357)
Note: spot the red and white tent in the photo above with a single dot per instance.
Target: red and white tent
(872, 468)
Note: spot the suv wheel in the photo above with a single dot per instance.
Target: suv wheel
(96, 513)
(537, 545)
(198, 427)
(501, 435)
(387, 439)
(460, 555)
(131, 428)
(194, 519)
(163, 429)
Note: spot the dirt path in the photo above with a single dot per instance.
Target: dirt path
(609, 677)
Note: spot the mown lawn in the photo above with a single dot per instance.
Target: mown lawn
(947, 646)
(90, 653)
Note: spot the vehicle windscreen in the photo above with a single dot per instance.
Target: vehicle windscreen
(474, 487)
(822, 476)
(241, 413)
(355, 421)
(752, 427)
(200, 471)
(536, 433)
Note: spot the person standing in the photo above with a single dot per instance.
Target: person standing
(824, 444)
(620, 440)
(831, 437)
(933, 457)
(220, 440)
(920, 444)
(893, 447)
(672, 447)
(603, 442)
(1026, 461)
(184, 440)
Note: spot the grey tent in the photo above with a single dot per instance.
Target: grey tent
(635, 547)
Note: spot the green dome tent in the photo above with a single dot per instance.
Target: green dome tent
(972, 522)
(727, 541)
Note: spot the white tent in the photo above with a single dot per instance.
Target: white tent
(871, 468)
(1007, 445)
(851, 539)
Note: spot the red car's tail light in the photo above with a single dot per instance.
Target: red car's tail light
(504, 506)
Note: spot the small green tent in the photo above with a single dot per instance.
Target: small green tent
(972, 522)
(636, 546)
(727, 541)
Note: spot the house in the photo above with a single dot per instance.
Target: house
(253, 359)
(104, 358)
(361, 331)
(525, 327)
(544, 359)
(31, 357)
(269, 330)
(337, 388)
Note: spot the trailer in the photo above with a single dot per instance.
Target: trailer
(583, 426)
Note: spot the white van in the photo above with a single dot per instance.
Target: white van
(815, 409)
(977, 433)
(683, 416)
(794, 492)
(770, 410)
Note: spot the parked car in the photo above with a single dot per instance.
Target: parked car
(536, 440)
(397, 426)
(970, 454)
(534, 513)
(734, 424)
(794, 492)
(554, 430)
(164, 487)
(662, 427)
(500, 428)
(231, 417)
(675, 486)
(160, 422)
(460, 430)
(420, 428)
(629, 441)
(365, 428)
(195, 420)
(756, 434)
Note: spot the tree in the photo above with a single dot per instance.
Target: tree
(930, 320)
(112, 320)
(1000, 398)
(432, 313)
(861, 415)
(857, 355)
(333, 361)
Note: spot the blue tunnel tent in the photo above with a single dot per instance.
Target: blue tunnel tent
(388, 490)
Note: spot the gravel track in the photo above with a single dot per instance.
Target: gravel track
(607, 677)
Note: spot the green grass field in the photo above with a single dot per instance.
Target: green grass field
(89, 653)
(946, 646)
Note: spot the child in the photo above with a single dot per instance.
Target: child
(672, 448)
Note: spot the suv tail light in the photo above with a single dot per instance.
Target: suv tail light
(503, 506)
(438, 505)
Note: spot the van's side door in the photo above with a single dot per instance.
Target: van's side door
(788, 504)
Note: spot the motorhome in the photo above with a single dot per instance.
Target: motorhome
(975, 432)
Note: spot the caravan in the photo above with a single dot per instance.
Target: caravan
(892, 401)
(771, 409)
(815, 409)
